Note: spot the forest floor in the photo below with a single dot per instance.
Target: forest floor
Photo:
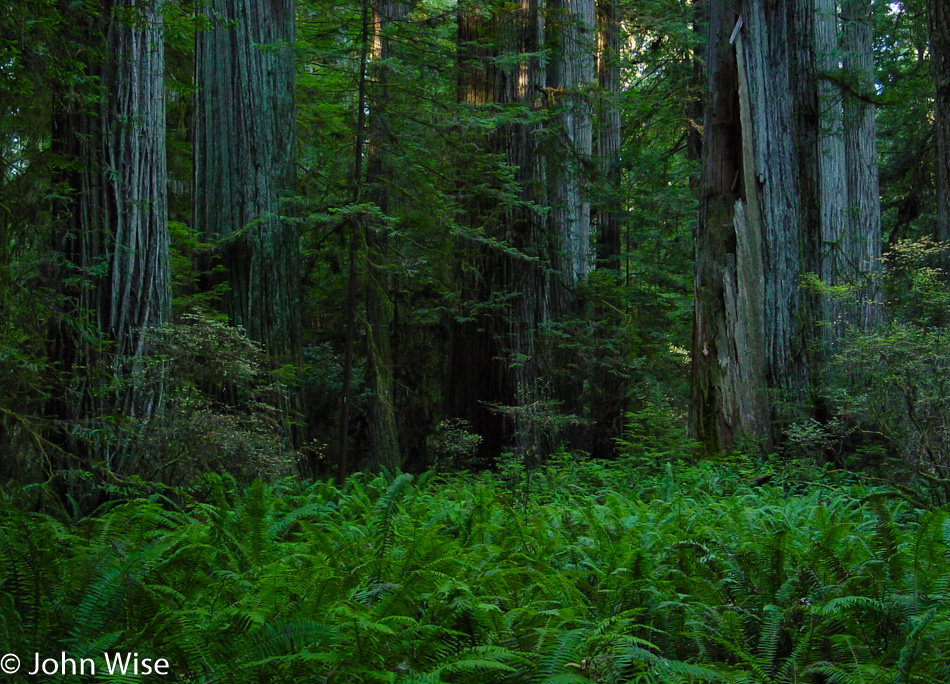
(576, 572)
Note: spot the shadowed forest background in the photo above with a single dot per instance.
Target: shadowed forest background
(442, 341)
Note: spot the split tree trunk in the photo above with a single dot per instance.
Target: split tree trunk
(751, 332)
(809, 204)
(729, 356)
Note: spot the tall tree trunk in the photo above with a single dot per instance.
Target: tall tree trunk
(244, 156)
(770, 171)
(751, 331)
(607, 216)
(809, 203)
(571, 27)
(697, 84)
(938, 20)
(383, 442)
(831, 173)
(571, 38)
(729, 354)
(476, 378)
(355, 229)
(861, 242)
(114, 227)
(606, 394)
(494, 360)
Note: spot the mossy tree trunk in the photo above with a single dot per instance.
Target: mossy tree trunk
(383, 440)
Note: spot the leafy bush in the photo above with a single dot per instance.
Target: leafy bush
(454, 444)
(890, 388)
(224, 409)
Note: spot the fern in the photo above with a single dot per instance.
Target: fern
(596, 580)
(384, 519)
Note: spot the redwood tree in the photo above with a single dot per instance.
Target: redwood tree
(244, 156)
(861, 242)
(493, 357)
(729, 352)
(607, 216)
(538, 217)
(789, 188)
(383, 441)
(113, 231)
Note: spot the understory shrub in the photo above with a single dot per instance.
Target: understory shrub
(889, 389)
(226, 409)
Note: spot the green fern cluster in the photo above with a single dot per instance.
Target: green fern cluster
(681, 577)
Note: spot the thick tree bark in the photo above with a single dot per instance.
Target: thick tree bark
(607, 216)
(770, 165)
(729, 355)
(571, 26)
(136, 206)
(244, 164)
(938, 20)
(751, 332)
(809, 205)
(114, 228)
(697, 85)
(861, 242)
(831, 172)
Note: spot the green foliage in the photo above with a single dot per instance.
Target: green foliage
(223, 408)
(889, 388)
(598, 578)
(905, 129)
(453, 443)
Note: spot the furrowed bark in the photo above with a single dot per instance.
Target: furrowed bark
(571, 26)
(861, 242)
(114, 238)
(729, 359)
(244, 152)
